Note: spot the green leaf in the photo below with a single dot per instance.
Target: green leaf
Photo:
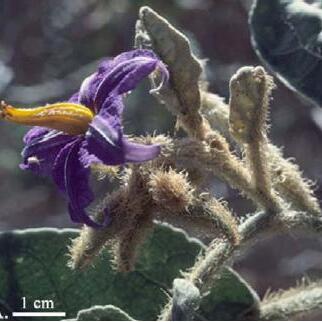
(103, 313)
(286, 34)
(231, 298)
(33, 264)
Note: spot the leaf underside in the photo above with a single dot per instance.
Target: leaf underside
(287, 35)
(33, 264)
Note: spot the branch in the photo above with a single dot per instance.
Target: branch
(182, 98)
(208, 268)
(250, 89)
(287, 178)
(293, 303)
(215, 157)
(156, 189)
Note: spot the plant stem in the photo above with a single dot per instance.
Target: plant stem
(292, 303)
(203, 274)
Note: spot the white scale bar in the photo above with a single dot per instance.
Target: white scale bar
(26, 314)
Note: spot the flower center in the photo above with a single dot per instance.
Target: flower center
(67, 117)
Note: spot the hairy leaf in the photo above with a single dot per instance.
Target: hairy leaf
(181, 95)
(103, 313)
(286, 34)
(33, 264)
(230, 299)
(174, 49)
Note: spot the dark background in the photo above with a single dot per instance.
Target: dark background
(48, 47)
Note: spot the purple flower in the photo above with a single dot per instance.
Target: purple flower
(68, 137)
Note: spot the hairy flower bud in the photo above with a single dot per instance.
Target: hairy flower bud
(171, 190)
(250, 88)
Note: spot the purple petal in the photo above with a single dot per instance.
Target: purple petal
(88, 89)
(135, 152)
(41, 151)
(108, 144)
(35, 133)
(73, 178)
(112, 111)
(58, 172)
(90, 84)
(74, 98)
(107, 65)
(127, 70)
(85, 157)
(117, 76)
(105, 141)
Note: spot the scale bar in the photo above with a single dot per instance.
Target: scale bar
(26, 314)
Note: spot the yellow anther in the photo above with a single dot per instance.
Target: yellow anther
(67, 117)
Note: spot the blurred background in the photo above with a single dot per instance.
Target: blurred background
(48, 47)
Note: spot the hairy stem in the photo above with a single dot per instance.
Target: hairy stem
(250, 89)
(293, 303)
(287, 178)
(215, 157)
(203, 274)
